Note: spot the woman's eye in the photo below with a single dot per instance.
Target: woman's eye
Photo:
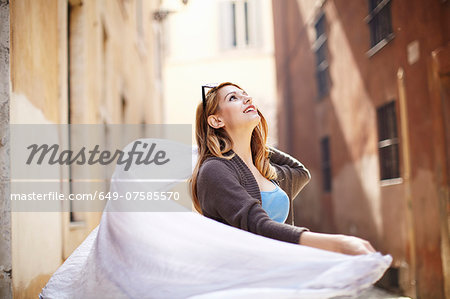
(232, 97)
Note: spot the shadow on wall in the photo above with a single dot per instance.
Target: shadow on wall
(381, 84)
(356, 205)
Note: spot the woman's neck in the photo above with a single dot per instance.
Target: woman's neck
(242, 147)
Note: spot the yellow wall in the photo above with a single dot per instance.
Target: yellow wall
(103, 68)
(36, 239)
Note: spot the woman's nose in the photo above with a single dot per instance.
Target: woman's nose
(248, 99)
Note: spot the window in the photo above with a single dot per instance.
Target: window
(320, 49)
(388, 142)
(379, 20)
(74, 77)
(326, 163)
(239, 24)
(123, 108)
(234, 25)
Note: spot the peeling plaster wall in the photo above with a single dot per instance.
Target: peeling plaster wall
(36, 237)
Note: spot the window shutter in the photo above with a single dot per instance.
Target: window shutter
(255, 23)
(225, 25)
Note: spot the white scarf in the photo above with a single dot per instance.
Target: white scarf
(186, 255)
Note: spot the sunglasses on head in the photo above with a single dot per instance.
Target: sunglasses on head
(204, 87)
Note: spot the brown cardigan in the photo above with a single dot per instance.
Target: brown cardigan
(228, 192)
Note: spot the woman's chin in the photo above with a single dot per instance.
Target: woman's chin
(256, 120)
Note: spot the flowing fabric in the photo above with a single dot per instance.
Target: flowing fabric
(186, 255)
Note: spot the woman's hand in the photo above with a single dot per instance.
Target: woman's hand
(338, 243)
(352, 245)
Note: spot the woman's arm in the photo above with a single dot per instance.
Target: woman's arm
(292, 174)
(222, 196)
(338, 243)
(292, 170)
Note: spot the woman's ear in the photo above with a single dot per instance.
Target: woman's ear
(215, 121)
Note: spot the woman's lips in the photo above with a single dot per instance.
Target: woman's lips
(249, 109)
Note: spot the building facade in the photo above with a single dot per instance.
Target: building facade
(364, 89)
(68, 62)
(232, 40)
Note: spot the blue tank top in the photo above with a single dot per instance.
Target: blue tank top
(276, 204)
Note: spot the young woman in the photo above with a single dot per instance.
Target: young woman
(186, 255)
(240, 181)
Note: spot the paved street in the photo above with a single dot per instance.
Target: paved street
(377, 293)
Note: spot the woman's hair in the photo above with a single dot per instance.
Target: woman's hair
(213, 142)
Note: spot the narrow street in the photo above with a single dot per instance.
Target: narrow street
(377, 293)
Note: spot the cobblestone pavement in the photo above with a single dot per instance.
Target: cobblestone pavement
(377, 293)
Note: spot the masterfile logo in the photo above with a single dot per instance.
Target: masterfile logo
(87, 167)
(68, 157)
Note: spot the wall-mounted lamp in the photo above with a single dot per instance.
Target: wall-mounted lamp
(167, 7)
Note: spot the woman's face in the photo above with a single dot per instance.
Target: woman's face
(236, 110)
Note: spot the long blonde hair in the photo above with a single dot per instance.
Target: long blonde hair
(213, 142)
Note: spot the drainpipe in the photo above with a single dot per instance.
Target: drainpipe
(287, 82)
(406, 159)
